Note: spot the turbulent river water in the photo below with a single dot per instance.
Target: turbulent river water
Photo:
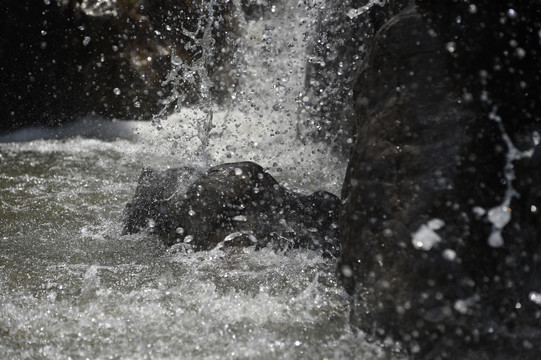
(72, 287)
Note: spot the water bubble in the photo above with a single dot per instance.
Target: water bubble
(191, 212)
(238, 171)
(116, 91)
(43, 32)
(176, 60)
(188, 239)
(86, 40)
(533, 209)
(512, 13)
(239, 218)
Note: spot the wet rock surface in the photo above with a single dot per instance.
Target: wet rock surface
(441, 224)
(344, 34)
(61, 60)
(236, 204)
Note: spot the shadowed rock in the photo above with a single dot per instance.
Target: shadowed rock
(62, 60)
(440, 225)
(237, 204)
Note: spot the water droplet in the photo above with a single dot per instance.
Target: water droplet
(449, 254)
(499, 216)
(425, 237)
(512, 13)
(176, 60)
(116, 91)
(451, 46)
(535, 297)
(238, 171)
(86, 40)
(479, 211)
(461, 306)
(347, 271)
(495, 239)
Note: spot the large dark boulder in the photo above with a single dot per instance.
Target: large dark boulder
(344, 34)
(60, 60)
(441, 224)
(236, 204)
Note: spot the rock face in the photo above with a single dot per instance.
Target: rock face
(441, 224)
(344, 33)
(236, 204)
(60, 60)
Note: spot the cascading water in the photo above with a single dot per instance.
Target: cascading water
(72, 287)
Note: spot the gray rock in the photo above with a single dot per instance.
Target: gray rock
(237, 204)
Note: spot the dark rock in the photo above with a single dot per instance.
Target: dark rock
(344, 33)
(257, 9)
(235, 204)
(432, 178)
(61, 60)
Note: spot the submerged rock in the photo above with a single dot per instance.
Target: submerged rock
(440, 225)
(236, 204)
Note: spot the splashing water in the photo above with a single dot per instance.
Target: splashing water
(500, 215)
(72, 287)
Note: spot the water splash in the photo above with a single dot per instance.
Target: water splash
(500, 215)
(191, 76)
